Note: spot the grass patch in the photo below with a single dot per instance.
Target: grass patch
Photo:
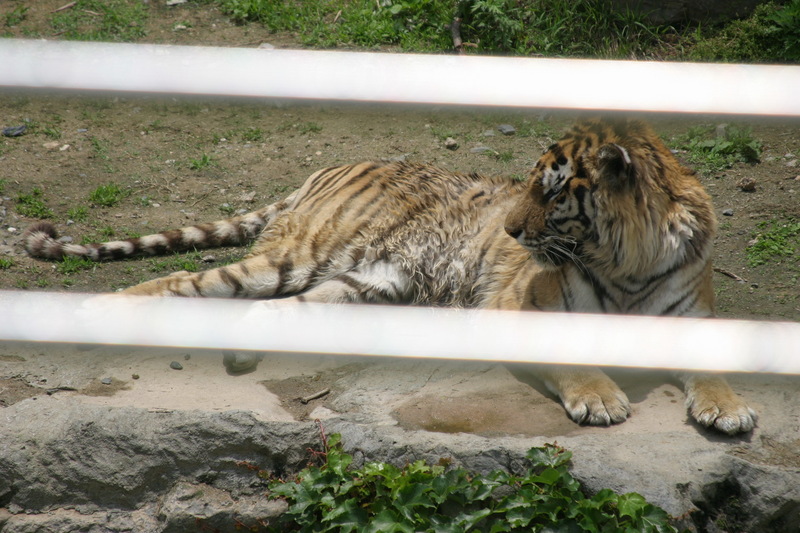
(107, 195)
(420, 497)
(711, 151)
(16, 16)
(71, 264)
(6, 263)
(78, 214)
(188, 262)
(32, 205)
(309, 127)
(102, 20)
(774, 240)
(204, 161)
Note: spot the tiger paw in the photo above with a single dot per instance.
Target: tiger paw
(712, 403)
(598, 406)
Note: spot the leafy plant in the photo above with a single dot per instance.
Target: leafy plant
(710, 152)
(32, 205)
(379, 497)
(78, 214)
(775, 239)
(107, 195)
(16, 16)
(204, 161)
(6, 263)
(309, 127)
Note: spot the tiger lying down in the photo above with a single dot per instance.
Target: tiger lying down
(608, 222)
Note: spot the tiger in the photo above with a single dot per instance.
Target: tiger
(608, 221)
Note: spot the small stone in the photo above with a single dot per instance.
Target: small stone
(208, 259)
(176, 365)
(480, 150)
(797, 178)
(106, 381)
(82, 130)
(15, 131)
(727, 212)
(64, 148)
(451, 144)
(506, 129)
(186, 357)
(66, 239)
(754, 285)
(792, 163)
(52, 145)
(176, 2)
(134, 376)
(747, 184)
(488, 133)
(266, 46)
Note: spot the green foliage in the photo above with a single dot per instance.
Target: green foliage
(71, 264)
(32, 205)
(2, 186)
(6, 263)
(78, 214)
(253, 135)
(202, 162)
(102, 20)
(774, 240)
(309, 127)
(770, 33)
(189, 262)
(16, 16)
(711, 153)
(379, 497)
(107, 195)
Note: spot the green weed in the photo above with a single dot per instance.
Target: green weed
(253, 135)
(6, 263)
(32, 205)
(420, 497)
(78, 214)
(102, 20)
(2, 185)
(16, 16)
(309, 127)
(711, 153)
(99, 148)
(189, 262)
(774, 240)
(203, 162)
(505, 156)
(71, 264)
(107, 195)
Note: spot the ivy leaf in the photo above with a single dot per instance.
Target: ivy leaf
(388, 522)
(347, 515)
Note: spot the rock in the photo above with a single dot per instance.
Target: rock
(176, 365)
(792, 163)
(727, 212)
(451, 144)
(480, 150)
(488, 133)
(208, 259)
(15, 131)
(747, 184)
(106, 381)
(506, 129)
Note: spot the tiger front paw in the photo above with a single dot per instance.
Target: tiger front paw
(713, 403)
(597, 405)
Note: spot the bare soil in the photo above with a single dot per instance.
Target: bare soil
(153, 149)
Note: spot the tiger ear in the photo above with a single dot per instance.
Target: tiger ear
(614, 166)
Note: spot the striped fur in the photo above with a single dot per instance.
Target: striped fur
(609, 221)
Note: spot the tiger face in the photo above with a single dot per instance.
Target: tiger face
(611, 196)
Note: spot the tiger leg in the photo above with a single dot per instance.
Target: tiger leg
(713, 403)
(588, 395)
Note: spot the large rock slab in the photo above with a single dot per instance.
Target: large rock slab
(177, 448)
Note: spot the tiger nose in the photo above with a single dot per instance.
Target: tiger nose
(514, 232)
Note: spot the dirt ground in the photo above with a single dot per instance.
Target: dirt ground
(180, 161)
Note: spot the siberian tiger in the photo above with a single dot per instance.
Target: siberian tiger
(608, 222)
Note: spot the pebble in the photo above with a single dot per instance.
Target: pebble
(727, 212)
(186, 357)
(15, 131)
(134, 376)
(106, 381)
(451, 144)
(208, 259)
(176, 365)
(480, 150)
(747, 184)
(506, 129)
(792, 163)
(488, 133)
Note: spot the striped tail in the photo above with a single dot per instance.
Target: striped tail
(41, 238)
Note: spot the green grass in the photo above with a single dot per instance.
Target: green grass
(773, 241)
(32, 205)
(78, 214)
(107, 195)
(204, 161)
(6, 263)
(71, 264)
(16, 16)
(309, 127)
(419, 497)
(102, 20)
(189, 262)
(710, 153)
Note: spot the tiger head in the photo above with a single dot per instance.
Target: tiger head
(611, 197)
